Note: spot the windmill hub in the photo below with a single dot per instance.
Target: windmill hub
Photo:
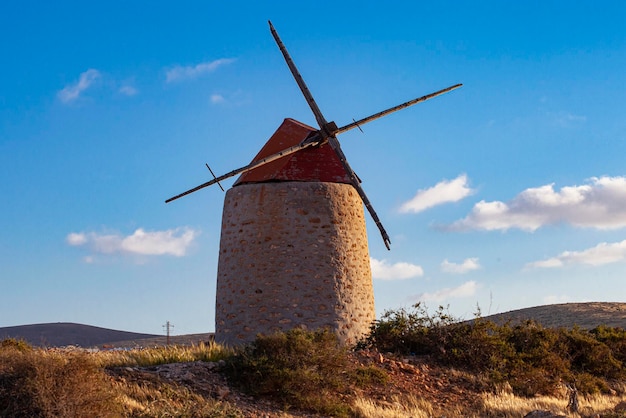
(330, 129)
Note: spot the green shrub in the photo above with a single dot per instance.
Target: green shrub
(302, 369)
(531, 358)
(297, 368)
(368, 376)
(413, 332)
(614, 338)
(588, 355)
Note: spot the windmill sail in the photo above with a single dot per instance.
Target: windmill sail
(326, 133)
(321, 121)
(246, 168)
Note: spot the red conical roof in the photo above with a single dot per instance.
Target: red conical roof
(311, 164)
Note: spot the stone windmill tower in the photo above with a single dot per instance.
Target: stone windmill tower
(293, 247)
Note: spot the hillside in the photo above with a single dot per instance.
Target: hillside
(585, 315)
(63, 333)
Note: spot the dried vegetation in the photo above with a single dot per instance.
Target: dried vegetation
(412, 364)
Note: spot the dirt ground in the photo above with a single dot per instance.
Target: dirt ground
(442, 387)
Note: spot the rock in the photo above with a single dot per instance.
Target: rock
(620, 407)
(223, 392)
(542, 414)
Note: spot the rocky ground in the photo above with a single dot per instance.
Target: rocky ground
(204, 379)
(450, 393)
(442, 387)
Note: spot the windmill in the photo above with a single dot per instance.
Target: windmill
(293, 247)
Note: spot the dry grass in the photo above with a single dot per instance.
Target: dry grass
(64, 383)
(163, 355)
(409, 406)
(508, 405)
(38, 383)
(503, 404)
(151, 397)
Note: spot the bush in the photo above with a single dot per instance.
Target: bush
(614, 338)
(531, 358)
(37, 383)
(588, 355)
(19, 345)
(368, 376)
(411, 332)
(302, 369)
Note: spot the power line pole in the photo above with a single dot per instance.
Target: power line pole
(167, 327)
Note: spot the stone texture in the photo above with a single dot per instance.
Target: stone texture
(293, 254)
(538, 413)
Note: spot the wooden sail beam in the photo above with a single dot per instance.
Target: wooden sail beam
(247, 168)
(404, 105)
(321, 121)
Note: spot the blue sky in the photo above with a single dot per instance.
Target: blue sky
(507, 193)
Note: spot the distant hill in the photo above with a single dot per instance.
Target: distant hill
(585, 315)
(63, 333)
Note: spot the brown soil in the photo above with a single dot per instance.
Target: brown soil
(444, 388)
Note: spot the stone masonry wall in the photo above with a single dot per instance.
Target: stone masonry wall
(293, 254)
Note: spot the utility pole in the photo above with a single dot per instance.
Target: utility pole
(167, 327)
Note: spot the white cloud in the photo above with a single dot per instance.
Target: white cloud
(603, 253)
(179, 73)
(599, 204)
(469, 264)
(465, 290)
(73, 91)
(174, 242)
(545, 264)
(566, 119)
(217, 98)
(443, 192)
(128, 90)
(382, 270)
(76, 239)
